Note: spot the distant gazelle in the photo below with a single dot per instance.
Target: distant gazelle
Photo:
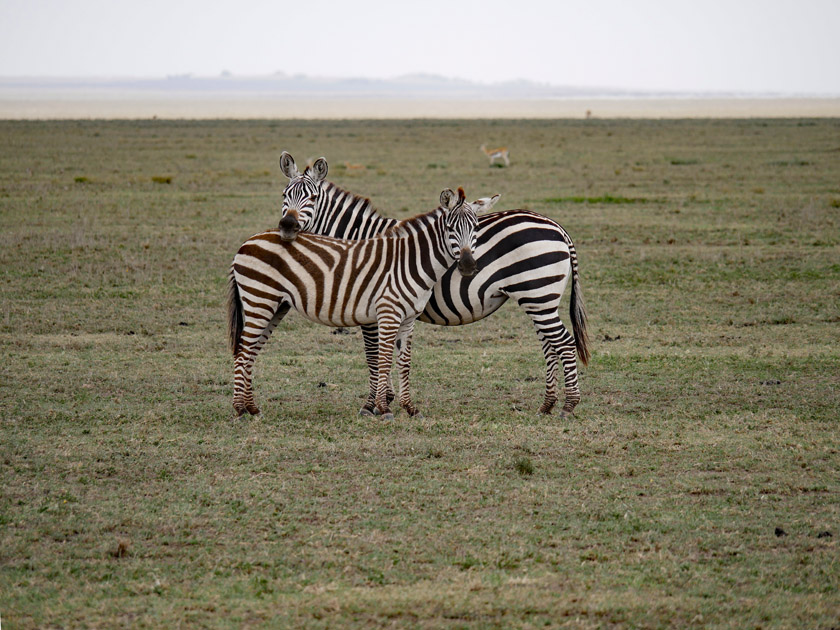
(495, 154)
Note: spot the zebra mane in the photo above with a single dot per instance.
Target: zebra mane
(404, 227)
(369, 209)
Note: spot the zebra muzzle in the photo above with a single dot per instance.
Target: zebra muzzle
(466, 263)
(289, 227)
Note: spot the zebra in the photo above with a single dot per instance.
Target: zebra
(521, 255)
(383, 283)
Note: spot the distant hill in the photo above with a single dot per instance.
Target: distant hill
(302, 86)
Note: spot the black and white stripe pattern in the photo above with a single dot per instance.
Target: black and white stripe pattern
(521, 255)
(383, 283)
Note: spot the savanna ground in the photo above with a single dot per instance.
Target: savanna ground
(696, 486)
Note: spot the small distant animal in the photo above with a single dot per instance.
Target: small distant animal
(354, 167)
(496, 154)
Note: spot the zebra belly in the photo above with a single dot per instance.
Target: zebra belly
(335, 315)
(447, 308)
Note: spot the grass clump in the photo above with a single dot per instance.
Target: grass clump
(524, 466)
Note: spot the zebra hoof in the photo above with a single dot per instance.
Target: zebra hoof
(388, 416)
(565, 414)
(367, 413)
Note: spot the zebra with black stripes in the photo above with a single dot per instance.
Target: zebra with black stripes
(521, 255)
(383, 283)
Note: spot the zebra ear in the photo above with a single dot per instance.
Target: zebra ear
(485, 203)
(288, 166)
(320, 168)
(447, 199)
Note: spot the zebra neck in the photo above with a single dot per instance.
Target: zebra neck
(342, 214)
(430, 235)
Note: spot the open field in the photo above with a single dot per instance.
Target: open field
(697, 486)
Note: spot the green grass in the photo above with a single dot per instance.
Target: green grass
(708, 421)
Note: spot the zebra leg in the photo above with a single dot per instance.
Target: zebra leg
(370, 335)
(403, 347)
(256, 331)
(558, 346)
(371, 339)
(388, 326)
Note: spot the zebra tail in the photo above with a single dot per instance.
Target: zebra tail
(235, 321)
(577, 311)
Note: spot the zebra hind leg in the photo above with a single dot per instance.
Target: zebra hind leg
(558, 347)
(256, 331)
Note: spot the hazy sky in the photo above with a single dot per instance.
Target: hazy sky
(790, 46)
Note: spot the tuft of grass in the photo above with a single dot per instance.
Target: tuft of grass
(790, 162)
(523, 466)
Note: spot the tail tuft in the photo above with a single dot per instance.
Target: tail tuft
(577, 310)
(578, 315)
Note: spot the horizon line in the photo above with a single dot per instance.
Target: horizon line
(588, 90)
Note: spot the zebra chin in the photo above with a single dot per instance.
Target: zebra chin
(466, 265)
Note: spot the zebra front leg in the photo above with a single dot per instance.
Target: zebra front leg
(388, 325)
(371, 339)
(403, 347)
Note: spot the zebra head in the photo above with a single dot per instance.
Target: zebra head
(300, 195)
(461, 222)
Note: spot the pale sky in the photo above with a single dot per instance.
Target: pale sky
(787, 46)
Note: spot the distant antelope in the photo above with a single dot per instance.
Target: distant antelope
(494, 154)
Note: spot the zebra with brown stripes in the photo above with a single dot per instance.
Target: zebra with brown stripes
(383, 282)
(521, 255)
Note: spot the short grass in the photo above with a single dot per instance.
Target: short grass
(696, 486)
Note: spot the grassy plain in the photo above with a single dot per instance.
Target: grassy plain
(696, 486)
